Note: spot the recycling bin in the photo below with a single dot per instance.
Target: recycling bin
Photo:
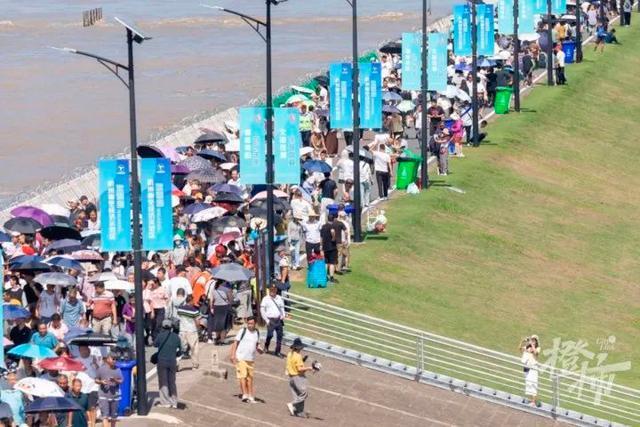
(503, 99)
(407, 172)
(126, 388)
(569, 49)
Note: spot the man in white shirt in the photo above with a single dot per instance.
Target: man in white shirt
(272, 311)
(559, 65)
(382, 166)
(365, 183)
(243, 355)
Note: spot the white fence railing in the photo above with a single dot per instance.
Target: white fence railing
(440, 355)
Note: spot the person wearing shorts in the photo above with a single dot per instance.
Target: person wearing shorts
(109, 378)
(243, 354)
(330, 247)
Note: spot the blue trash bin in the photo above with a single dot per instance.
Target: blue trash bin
(569, 49)
(333, 209)
(126, 388)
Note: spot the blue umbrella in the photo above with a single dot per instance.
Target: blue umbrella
(24, 259)
(52, 404)
(4, 237)
(196, 207)
(463, 67)
(13, 312)
(390, 109)
(316, 166)
(485, 63)
(64, 262)
(225, 188)
(389, 96)
(65, 245)
(32, 351)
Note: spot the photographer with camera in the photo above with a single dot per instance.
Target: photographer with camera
(296, 371)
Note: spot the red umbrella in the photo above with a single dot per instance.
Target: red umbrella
(62, 363)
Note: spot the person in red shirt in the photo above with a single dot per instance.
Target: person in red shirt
(220, 253)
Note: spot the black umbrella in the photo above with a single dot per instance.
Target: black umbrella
(231, 272)
(280, 206)
(212, 155)
(58, 232)
(61, 220)
(210, 137)
(195, 162)
(149, 152)
(52, 404)
(228, 197)
(365, 155)
(392, 47)
(322, 79)
(209, 175)
(22, 225)
(92, 241)
(261, 212)
(92, 340)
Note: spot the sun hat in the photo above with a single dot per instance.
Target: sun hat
(297, 344)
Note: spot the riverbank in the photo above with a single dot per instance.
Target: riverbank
(541, 239)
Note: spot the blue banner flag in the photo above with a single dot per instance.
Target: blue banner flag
(155, 194)
(340, 87)
(462, 30)
(437, 62)
(286, 145)
(505, 16)
(526, 21)
(484, 28)
(539, 7)
(115, 205)
(559, 7)
(253, 157)
(2, 294)
(411, 61)
(370, 82)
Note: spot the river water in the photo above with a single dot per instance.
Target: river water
(60, 111)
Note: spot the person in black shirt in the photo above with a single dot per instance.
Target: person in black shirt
(20, 333)
(168, 344)
(329, 246)
(32, 291)
(329, 192)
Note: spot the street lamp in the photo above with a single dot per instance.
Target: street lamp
(258, 25)
(357, 197)
(516, 56)
(549, 46)
(133, 35)
(578, 31)
(424, 132)
(474, 71)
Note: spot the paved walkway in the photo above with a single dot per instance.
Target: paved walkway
(341, 395)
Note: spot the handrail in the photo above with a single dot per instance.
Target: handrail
(466, 362)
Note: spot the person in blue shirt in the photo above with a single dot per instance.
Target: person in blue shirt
(44, 337)
(14, 398)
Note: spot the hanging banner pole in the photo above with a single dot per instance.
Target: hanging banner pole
(516, 61)
(115, 205)
(411, 62)
(286, 148)
(341, 106)
(253, 169)
(157, 214)
(370, 95)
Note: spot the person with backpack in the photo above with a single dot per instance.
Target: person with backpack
(243, 355)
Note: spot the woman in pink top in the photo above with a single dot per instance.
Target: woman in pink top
(158, 299)
(457, 131)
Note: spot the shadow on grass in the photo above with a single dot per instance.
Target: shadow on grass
(376, 237)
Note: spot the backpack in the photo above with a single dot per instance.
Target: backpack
(244, 331)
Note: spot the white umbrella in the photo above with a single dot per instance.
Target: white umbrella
(88, 383)
(528, 37)
(263, 195)
(103, 277)
(208, 214)
(305, 150)
(302, 90)
(118, 285)
(450, 91)
(228, 166)
(55, 209)
(175, 201)
(233, 145)
(56, 279)
(39, 387)
(462, 95)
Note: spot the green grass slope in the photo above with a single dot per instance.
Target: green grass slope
(546, 237)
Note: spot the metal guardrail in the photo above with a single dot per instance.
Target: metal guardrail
(562, 391)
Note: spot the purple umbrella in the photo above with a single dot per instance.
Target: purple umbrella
(180, 170)
(196, 207)
(36, 214)
(170, 153)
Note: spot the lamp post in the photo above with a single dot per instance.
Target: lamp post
(516, 56)
(549, 46)
(474, 71)
(578, 31)
(357, 197)
(133, 35)
(424, 132)
(258, 25)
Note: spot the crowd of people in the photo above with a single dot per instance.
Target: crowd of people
(59, 287)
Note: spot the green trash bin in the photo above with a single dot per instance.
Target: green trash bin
(407, 169)
(503, 99)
